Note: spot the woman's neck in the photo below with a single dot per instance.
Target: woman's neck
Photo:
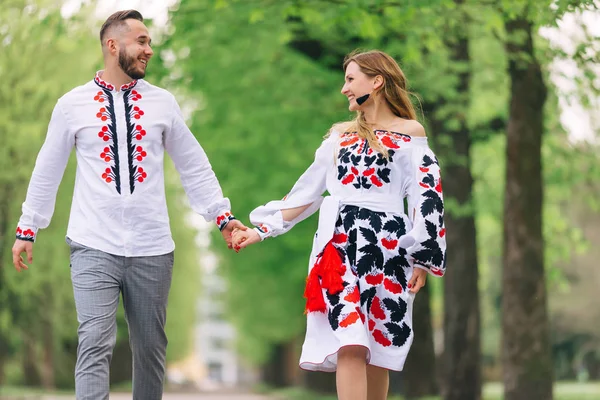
(379, 116)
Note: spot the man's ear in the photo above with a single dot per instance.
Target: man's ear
(112, 46)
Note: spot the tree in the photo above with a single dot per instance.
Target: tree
(527, 361)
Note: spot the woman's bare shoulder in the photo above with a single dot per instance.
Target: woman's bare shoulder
(413, 127)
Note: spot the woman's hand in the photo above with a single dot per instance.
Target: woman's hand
(417, 281)
(243, 238)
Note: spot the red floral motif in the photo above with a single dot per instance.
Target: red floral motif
(339, 238)
(375, 181)
(105, 134)
(374, 279)
(136, 112)
(371, 324)
(139, 132)
(139, 153)
(376, 308)
(103, 84)
(389, 142)
(354, 296)
(25, 234)
(107, 154)
(103, 114)
(437, 271)
(381, 338)
(223, 219)
(350, 319)
(347, 180)
(392, 287)
(349, 141)
(135, 95)
(438, 187)
(140, 175)
(100, 97)
(389, 244)
(369, 172)
(108, 175)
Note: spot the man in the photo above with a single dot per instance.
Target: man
(119, 231)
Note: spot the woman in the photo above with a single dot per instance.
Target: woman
(380, 231)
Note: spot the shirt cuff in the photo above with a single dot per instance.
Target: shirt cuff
(26, 233)
(223, 219)
(263, 231)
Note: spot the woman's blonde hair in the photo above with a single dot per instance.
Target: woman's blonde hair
(373, 63)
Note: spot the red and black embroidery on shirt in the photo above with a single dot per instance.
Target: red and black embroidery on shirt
(223, 219)
(27, 234)
(431, 255)
(135, 135)
(108, 134)
(362, 166)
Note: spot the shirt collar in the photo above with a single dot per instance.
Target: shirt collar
(108, 86)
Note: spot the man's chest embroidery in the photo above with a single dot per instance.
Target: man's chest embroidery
(134, 137)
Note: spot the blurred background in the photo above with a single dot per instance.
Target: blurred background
(509, 95)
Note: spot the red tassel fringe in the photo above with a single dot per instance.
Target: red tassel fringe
(326, 274)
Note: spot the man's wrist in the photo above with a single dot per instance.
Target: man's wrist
(223, 219)
(25, 233)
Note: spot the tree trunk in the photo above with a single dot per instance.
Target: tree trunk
(419, 376)
(280, 371)
(526, 355)
(31, 374)
(461, 359)
(47, 340)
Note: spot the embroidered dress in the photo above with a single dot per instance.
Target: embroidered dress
(120, 136)
(367, 245)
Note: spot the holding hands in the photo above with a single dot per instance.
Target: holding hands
(243, 237)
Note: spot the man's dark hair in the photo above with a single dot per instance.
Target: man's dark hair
(118, 20)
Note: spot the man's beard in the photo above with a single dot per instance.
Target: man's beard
(127, 65)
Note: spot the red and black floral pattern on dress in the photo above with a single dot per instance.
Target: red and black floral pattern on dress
(374, 271)
(361, 166)
(26, 234)
(135, 136)
(431, 209)
(108, 135)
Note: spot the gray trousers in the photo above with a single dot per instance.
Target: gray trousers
(98, 280)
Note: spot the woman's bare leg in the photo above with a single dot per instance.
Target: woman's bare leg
(351, 375)
(378, 382)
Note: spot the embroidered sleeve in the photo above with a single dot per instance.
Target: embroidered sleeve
(49, 168)
(196, 173)
(308, 190)
(427, 239)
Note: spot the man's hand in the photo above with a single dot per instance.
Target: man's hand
(231, 225)
(20, 247)
(417, 281)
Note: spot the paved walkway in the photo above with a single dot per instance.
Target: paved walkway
(166, 396)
